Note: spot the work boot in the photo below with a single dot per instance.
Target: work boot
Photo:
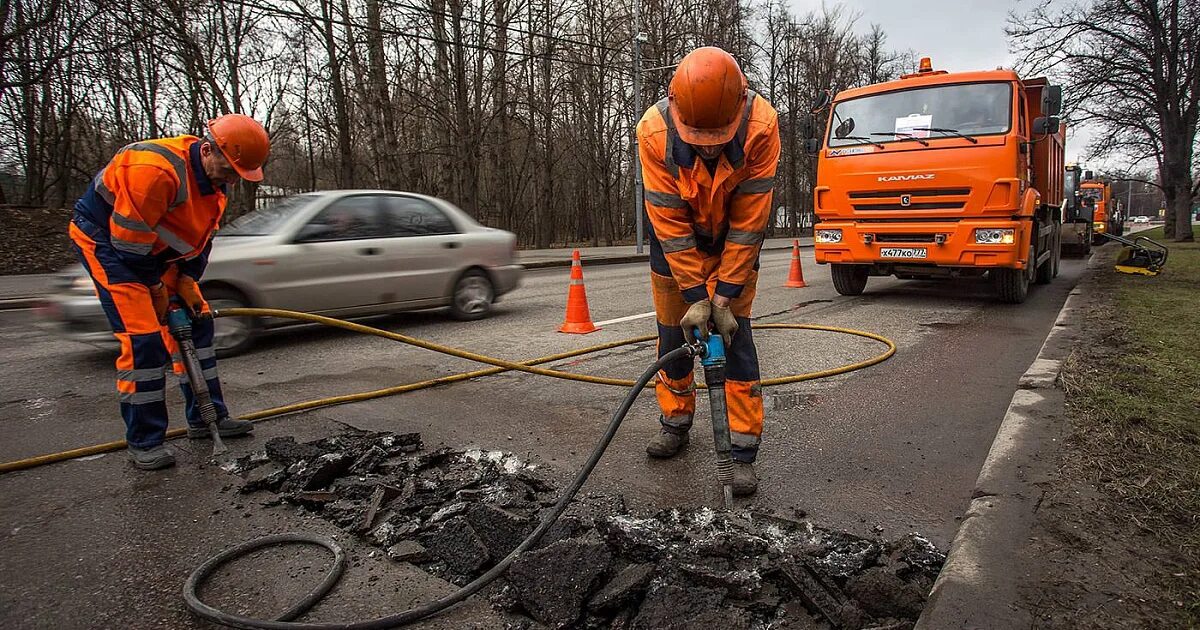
(745, 482)
(227, 427)
(666, 444)
(152, 458)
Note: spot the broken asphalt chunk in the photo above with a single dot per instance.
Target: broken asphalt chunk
(554, 582)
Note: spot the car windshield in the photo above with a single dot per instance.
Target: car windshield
(1092, 193)
(970, 109)
(267, 220)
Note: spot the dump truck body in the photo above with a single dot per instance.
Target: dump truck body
(940, 174)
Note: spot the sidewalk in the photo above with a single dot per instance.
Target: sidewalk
(24, 291)
(561, 257)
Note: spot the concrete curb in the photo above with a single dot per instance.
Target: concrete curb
(615, 260)
(977, 587)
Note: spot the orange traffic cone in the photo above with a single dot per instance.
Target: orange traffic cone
(579, 318)
(796, 275)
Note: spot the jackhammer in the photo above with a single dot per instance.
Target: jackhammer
(179, 323)
(712, 358)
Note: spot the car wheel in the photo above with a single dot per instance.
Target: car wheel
(231, 335)
(473, 296)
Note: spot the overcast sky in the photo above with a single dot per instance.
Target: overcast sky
(959, 35)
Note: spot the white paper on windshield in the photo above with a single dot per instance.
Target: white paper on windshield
(914, 125)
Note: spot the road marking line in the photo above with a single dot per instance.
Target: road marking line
(626, 319)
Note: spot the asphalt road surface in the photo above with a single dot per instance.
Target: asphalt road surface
(891, 449)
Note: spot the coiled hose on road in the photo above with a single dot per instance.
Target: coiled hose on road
(501, 365)
(283, 622)
(198, 576)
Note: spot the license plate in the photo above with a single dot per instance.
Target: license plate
(903, 252)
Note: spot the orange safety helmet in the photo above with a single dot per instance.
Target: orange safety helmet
(243, 141)
(707, 96)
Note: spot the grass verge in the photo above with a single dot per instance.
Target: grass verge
(1133, 392)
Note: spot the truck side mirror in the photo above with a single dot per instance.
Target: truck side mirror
(812, 146)
(1052, 100)
(1044, 125)
(1088, 175)
(806, 127)
(820, 102)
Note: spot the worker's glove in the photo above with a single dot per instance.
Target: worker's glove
(725, 323)
(696, 317)
(188, 291)
(160, 298)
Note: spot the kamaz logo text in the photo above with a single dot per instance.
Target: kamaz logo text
(905, 178)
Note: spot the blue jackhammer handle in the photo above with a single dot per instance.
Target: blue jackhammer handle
(714, 350)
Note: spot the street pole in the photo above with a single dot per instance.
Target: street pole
(636, 55)
(1129, 199)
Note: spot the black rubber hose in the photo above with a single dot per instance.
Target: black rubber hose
(201, 574)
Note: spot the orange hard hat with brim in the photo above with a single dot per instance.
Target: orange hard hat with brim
(243, 142)
(707, 96)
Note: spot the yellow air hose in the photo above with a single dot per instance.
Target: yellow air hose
(500, 365)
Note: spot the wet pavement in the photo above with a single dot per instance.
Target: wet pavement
(880, 453)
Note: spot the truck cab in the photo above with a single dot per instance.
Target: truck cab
(938, 175)
(1106, 219)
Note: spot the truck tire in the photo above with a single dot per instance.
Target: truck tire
(1049, 269)
(1012, 285)
(849, 279)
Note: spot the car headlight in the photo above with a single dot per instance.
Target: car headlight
(994, 236)
(829, 236)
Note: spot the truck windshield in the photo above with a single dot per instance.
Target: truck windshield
(971, 109)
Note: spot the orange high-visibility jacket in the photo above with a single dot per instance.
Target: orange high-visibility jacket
(156, 204)
(694, 214)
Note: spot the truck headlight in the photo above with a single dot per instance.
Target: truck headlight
(829, 236)
(994, 236)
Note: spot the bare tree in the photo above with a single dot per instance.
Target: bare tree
(1132, 69)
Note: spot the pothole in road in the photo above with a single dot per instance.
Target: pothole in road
(456, 513)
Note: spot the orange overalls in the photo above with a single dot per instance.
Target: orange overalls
(146, 218)
(706, 231)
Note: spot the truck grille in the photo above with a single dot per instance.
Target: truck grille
(904, 238)
(922, 199)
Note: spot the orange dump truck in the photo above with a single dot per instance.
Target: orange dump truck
(942, 174)
(1106, 217)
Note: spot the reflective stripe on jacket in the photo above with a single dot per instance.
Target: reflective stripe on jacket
(155, 204)
(694, 214)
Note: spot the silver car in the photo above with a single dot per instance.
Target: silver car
(345, 253)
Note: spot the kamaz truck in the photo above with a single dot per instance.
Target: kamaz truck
(942, 174)
(1078, 213)
(1106, 218)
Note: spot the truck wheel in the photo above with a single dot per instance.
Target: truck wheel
(849, 279)
(1012, 285)
(1049, 269)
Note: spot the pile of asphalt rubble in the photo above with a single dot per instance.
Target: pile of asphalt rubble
(456, 513)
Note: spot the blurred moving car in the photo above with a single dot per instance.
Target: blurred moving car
(344, 253)
(1141, 219)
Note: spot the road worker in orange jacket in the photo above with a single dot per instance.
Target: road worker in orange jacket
(708, 155)
(144, 231)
